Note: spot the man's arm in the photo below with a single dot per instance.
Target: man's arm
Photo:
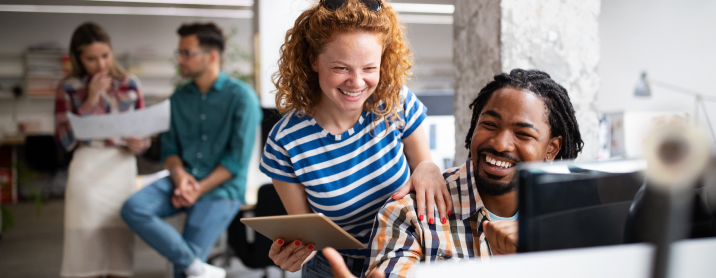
(172, 162)
(190, 191)
(216, 177)
(247, 117)
(394, 249)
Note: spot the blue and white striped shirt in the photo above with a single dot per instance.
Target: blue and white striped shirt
(349, 176)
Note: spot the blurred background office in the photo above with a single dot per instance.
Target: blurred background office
(598, 49)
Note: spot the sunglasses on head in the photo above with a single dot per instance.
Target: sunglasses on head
(333, 5)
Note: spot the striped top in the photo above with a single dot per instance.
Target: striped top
(400, 240)
(348, 176)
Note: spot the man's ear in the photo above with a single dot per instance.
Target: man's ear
(215, 56)
(553, 147)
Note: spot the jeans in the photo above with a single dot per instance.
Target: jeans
(206, 220)
(318, 267)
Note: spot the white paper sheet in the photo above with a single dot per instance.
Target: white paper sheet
(138, 123)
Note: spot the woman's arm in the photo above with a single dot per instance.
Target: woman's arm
(291, 256)
(426, 179)
(293, 196)
(63, 130)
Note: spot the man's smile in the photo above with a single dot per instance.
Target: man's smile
(496, 166)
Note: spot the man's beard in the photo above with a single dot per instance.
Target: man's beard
(486, 186)
(193, 74)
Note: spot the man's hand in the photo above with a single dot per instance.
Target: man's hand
(187, 189)
(339, 268)
(186, 197)
(501, 235)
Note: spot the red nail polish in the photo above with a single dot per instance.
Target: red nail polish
(311, 247)
(449, 212)
(298, 243)
(420, 217)
(393, 195)
(444, 220)
(431, 221)
(280, 241)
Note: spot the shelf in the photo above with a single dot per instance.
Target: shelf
(49, 53)
(4, 96)
(11, 75)
(39, 97)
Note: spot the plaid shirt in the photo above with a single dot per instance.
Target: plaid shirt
(399, 240)
(124, 95)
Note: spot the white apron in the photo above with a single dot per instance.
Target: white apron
(96, 241)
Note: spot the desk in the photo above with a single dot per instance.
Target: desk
(620, 261)
(13, 141)
(693, 258)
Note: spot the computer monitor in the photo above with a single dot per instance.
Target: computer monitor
(572, 205)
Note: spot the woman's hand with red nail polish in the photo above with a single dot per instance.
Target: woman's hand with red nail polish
(292, 256)
(428, 183)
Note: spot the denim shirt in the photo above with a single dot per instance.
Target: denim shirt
(212, 129)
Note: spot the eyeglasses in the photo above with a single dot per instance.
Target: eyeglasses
(183, 53)
(333, 5)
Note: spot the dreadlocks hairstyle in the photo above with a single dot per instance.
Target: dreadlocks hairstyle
(559, 108)
(297, 84)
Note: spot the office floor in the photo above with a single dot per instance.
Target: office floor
(33, 248)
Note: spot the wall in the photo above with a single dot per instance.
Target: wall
(151, 36)
(672, 40)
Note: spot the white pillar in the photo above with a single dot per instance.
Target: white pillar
(275, 17)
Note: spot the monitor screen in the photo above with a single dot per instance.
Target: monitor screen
(571, 204)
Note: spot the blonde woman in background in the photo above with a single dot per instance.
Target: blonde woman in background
(102, 172)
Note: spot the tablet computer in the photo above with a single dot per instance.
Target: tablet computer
(313, 228)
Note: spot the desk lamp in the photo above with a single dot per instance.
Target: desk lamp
(643, 89)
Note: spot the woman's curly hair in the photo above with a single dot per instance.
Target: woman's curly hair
(297, 84)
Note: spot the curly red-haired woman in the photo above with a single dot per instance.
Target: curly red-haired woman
(351, 136)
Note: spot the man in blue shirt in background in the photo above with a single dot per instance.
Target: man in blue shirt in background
(214, 119)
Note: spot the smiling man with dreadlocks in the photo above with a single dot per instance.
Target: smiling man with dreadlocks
(518, 117)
